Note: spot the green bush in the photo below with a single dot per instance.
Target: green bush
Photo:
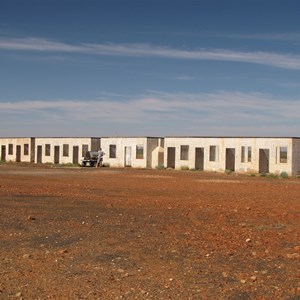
(284, 174)
(69, 165)
(184, 168)
(268, 175)
(160, 167)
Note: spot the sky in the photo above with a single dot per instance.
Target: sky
(149, 68)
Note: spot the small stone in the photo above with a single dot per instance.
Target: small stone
(120, 271)
(253, 278)
(31, 218)
(243, 281)
(19, 294)
(248, 240)
(225, 274)
(293, 255)
(25, 256)
(63, 251)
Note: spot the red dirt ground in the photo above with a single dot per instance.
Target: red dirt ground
(71, 233)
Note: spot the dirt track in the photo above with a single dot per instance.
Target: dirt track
(147, 234)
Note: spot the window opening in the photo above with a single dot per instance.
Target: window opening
(112, 151)
(184, 152)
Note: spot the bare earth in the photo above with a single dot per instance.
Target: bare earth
(71, 233)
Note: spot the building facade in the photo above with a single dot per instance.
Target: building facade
(136, 152)
(16, 149)
(56, 150)
(217, 154)
(238, 154)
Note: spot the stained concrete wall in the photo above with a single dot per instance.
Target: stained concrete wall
(222, 143)
(123, 143)
(58, 143)
(20, 149)
(296, 156)
(155, 152)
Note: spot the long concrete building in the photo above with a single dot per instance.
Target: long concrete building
(218, 154)
(238, 154)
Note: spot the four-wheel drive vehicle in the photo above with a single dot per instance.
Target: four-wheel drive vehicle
(90, 159)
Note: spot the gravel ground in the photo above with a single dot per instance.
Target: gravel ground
(72, 233)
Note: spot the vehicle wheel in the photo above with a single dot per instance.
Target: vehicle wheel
(83, 164)
(91, 163)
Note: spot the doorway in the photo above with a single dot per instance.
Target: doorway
(127, 156)
(264, 156)
(171, 158)
(39, 154)
(18, 154)
(199, 159)
(3, 153)
(230, 159)
(75, 154)
(56, 154)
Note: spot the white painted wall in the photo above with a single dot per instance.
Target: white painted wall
(16, 142)
(154, 146)
(272, 144)
(121, 143)
(60, 141)
(296, 156)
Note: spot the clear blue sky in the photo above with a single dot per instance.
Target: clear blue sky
(149, 67)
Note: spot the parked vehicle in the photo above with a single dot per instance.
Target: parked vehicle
(90, 159)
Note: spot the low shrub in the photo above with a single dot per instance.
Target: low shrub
(268, 175)
(184, 168)
(160, 167)
(284, 174)
(69, 165)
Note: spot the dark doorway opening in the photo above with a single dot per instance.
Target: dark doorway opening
(39, 154)
(75, 154)
(264, 155)
(18, 154)
(199, 159)
(230, 159)
(171, 157)
(56, 154)
(3, 153)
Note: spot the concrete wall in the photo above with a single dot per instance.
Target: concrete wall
(223, 151)
(15, 149)
(57, 154)
(296, 156)
(127, 144)
(265, 152)
(158, 154)
(153, 149)
(123, 144)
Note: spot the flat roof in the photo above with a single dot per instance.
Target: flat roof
(235, 137)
